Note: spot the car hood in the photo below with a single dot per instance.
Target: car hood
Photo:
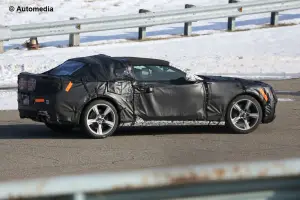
(244, 82)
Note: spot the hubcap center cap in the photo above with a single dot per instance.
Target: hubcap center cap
(100, 119)
(244, 115)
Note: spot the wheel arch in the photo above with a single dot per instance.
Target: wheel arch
(106, 98)
(255, 96)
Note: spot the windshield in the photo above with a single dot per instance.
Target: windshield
(67, 68)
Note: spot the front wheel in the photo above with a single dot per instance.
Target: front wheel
(100, 119)
(244, 114)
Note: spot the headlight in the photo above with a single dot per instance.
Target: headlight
(271, 90)
(273, 93)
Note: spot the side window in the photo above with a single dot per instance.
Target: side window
(142, 73)
(156, 73)
(121, 71)
(67, 68)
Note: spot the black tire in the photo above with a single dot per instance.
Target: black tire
(234, 112)
(92, 129)
(59, 128)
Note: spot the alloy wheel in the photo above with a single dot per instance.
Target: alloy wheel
(101, 119)
(244, 114)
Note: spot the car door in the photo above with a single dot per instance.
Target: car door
(161, 93)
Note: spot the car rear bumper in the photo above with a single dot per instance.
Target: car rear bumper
(42, 115)
(46, 111)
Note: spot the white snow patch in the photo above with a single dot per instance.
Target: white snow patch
(8, 100)
(262, 53)
(64, 9)
(253, 53)
(285, 99)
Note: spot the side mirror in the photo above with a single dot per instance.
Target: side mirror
(192, 78)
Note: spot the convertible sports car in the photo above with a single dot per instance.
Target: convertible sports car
(99, 93)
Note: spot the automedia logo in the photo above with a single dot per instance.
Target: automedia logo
(21, 9)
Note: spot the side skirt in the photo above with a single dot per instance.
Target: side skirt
(141, 122)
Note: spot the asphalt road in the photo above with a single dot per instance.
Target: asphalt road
(29, 149)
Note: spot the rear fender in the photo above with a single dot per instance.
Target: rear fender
(109, 99)
(125, 114)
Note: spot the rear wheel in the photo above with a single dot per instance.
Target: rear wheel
(244, 114)
(100, 119)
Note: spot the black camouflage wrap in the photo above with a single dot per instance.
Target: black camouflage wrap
(204, 100)
(222, 90)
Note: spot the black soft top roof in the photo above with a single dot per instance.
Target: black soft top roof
(142, 61)
(93, 59)
(96, 59)
(101, 67)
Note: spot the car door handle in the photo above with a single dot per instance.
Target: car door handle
(146, 89)
(149, 89)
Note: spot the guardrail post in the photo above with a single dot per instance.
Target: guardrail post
(79, 196)
(274, 18)
(142, 30)
(1, 47)
(33, 43)
(188, 25)
(231, 20)
(5, 34)
(74, 38)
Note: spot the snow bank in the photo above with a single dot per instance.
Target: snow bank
(272, 51)
(261, 53)
(8, 100)
(64, 9)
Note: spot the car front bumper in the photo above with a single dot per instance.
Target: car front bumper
(269, 117)
(270, 108)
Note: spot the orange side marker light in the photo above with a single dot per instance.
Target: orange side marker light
(69, 86)
(264, 94)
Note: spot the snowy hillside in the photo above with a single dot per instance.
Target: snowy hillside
(272, 50)
(64, 9)
(259, 52)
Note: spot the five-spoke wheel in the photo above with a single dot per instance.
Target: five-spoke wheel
(244, 114)
(100, 119)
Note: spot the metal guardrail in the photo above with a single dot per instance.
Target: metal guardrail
(249, 180)
(147, 18)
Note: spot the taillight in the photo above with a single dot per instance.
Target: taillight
(31, 84)
(25, 84)
(22, 83)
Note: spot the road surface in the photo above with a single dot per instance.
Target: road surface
(30, 150)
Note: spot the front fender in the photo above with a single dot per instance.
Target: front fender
(267, 99)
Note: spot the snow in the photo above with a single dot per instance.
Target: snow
(64, 9)
(285, 99)
(273, 51)
(8, 100)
